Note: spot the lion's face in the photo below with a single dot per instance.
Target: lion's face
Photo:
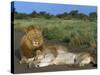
(35, 36)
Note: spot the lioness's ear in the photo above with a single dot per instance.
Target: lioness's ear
(38, 52)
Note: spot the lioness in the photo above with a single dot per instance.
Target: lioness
(48, 55)
(31, 41)
(63, 57)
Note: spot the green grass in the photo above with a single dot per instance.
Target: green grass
(74, 32)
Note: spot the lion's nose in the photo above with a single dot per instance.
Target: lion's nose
(35, 43)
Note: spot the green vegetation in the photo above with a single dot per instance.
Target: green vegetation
(73, 28)
(75, 32)
(74, 14)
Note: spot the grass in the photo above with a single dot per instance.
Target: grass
(74, 32)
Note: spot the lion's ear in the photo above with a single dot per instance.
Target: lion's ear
(39, 28)
(25, 30)
(31, 27)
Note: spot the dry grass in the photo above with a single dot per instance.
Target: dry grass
(74, 32)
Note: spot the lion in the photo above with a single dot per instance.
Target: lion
(31, 41)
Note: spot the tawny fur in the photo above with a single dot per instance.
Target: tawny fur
(49, 55)
(84, 58)
(63, 57)
(31, 41)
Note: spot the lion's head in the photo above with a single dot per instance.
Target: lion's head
(32, 40)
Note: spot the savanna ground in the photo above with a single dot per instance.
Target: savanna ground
(76, 35)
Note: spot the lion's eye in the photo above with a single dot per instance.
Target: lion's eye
(37, 42)
(33, 42)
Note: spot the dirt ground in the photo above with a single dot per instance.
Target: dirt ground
(23, 68)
